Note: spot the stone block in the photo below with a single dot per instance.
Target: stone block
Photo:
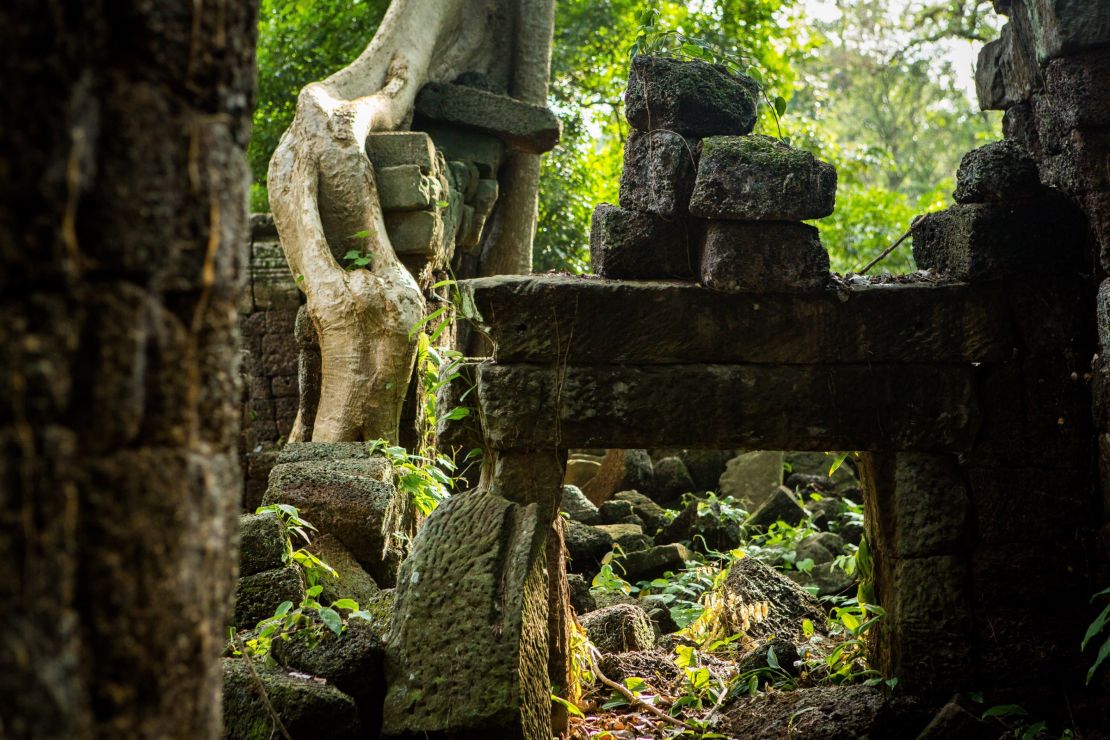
(658, 174)
(1066, 27)
(654, 516)
(1019, 124)
(522, 126)
(644, 565)
(405, 187)
(689, 98)
(780, 506)
(1080, 167)
(258, 595)
(630, 537)
(328, 451)
(354, 500)
(263, 228)
(670, 479)
(929, 511)
(1077, 85)
(752, 477)
(755, 588)
(586, 546)
(758, 178)
(916, 323)
(485, 197)
(1007, 72)
(997, 172)
(484, 151)
(577, 506)
(1031, 505)
(308, 709)
(1097, 207)
(396, 148)
(929, 408)
(283, 386)
(415, 232)
(618, 512)
(279, 356)
(620, 628)
(763, 257)
(261, 543)
(628, 244)
(353, 581)
(993, 241)
(470, 229)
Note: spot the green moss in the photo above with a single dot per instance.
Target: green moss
(755, 149)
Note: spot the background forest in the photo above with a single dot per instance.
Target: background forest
(869, 86)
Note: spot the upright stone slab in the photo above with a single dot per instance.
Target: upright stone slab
(763, 257)
(522, 126)
(689, 98)
(758, 178)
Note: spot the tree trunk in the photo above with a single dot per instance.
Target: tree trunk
(122, 223)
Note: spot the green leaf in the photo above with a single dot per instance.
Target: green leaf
(1103, 654)
(283, 608)
(849, 620)
(1005, 710)
(755, 74)
(361, 614)
(360, 235)
(349, 604)
(352, 254)
(331, 620)
(837, 462)
(807, 628)
(313, 592)
(569, 706)
(459, 412)
(780, 106)
(635, 684)
(1096, 626)
(772, 659)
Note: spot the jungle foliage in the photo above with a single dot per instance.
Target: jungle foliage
(869, 92)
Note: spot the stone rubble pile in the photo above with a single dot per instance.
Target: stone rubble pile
(702, 198)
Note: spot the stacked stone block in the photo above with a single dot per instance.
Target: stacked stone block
(703, 199)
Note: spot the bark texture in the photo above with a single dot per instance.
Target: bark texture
(325, 202)
(122, 215)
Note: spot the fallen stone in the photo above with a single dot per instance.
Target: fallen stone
(822, 712)
(689, 98)
(785, 652)
(705, 467)
(617, 512)
(780, 605)
(815, 550)
(650, 665)
(702, 527)
(258, 596)
(751, 477)
(581, 600)
(652, 514)
(353, 581)
(396, 148)
(619, 628)
(354, 500)
(782, 506)
(308, 709)
(630, 537)
(522, 126)
(937, 323)
(353, 662)
(757, 178)
(671, 480)
(653, 562)
(621, 470)
(261, 543)
(994, 241)
(997, 172)
(636, 245)
(578, 507)
(658, 174)
(633, 407)
(580, 472)
(828, 579)
(586, 546)
(763, 257)
(804, 484)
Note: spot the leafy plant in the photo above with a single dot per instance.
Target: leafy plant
(1097, 627)
(427, 480)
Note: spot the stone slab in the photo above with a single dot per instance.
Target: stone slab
(1006, 72)
(997, 172)
(405, 188)
(395, 148)
(522, 126)
(637, 245)
(690, 98)
(763, 257)
(484, 151)
(855, 407)
(1078, 85)
(980, 241)
(650, 323)
(415, 232)
(758, 178)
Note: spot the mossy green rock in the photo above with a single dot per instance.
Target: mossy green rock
(658, 174)
(763, 257)
(689, 98)
(258, 595)
(636, 245)
(757, 178)
(261, 543)
(620, 628)
(308, 709)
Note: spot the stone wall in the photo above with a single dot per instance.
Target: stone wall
(267, 312)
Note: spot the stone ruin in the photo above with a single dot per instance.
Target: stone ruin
(976, 391)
